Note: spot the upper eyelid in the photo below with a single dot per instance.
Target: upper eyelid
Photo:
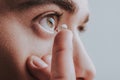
(47, 13)
(58, 15)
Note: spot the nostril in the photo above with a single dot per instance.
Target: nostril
(80, 78)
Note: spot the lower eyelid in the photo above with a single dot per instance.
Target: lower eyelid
(40, 32)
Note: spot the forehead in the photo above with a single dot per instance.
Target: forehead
(77, 2)
(81, 4)
(69, 5)
(40, 0)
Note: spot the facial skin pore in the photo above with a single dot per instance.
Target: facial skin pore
(24, 33)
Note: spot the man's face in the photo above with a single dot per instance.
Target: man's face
(28, 27)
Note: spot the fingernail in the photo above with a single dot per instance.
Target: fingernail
(38, 62)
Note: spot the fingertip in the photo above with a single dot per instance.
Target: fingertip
(63, 34)
(63, 41)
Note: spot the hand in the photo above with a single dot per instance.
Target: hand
(62, 66)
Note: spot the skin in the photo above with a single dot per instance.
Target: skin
(30, 54)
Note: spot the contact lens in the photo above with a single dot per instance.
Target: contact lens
(62, 27)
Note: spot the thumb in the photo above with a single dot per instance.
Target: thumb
(38, 68)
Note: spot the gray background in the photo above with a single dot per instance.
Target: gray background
(102, 38)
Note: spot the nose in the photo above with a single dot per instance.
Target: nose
(84, 67)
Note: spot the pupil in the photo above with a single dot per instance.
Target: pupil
(50, 22)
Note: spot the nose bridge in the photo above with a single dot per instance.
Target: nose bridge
(83, 64)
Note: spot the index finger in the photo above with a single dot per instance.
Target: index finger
(62, 57)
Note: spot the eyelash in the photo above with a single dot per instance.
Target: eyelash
(48, 14)
(56, 14)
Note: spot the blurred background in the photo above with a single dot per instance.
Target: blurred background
(102, 38)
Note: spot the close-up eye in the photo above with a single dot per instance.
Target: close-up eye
(49, 22)
(82, 28)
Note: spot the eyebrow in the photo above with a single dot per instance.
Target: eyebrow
(67, 5)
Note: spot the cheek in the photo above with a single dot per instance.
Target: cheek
(16, 45)
(13, 51)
